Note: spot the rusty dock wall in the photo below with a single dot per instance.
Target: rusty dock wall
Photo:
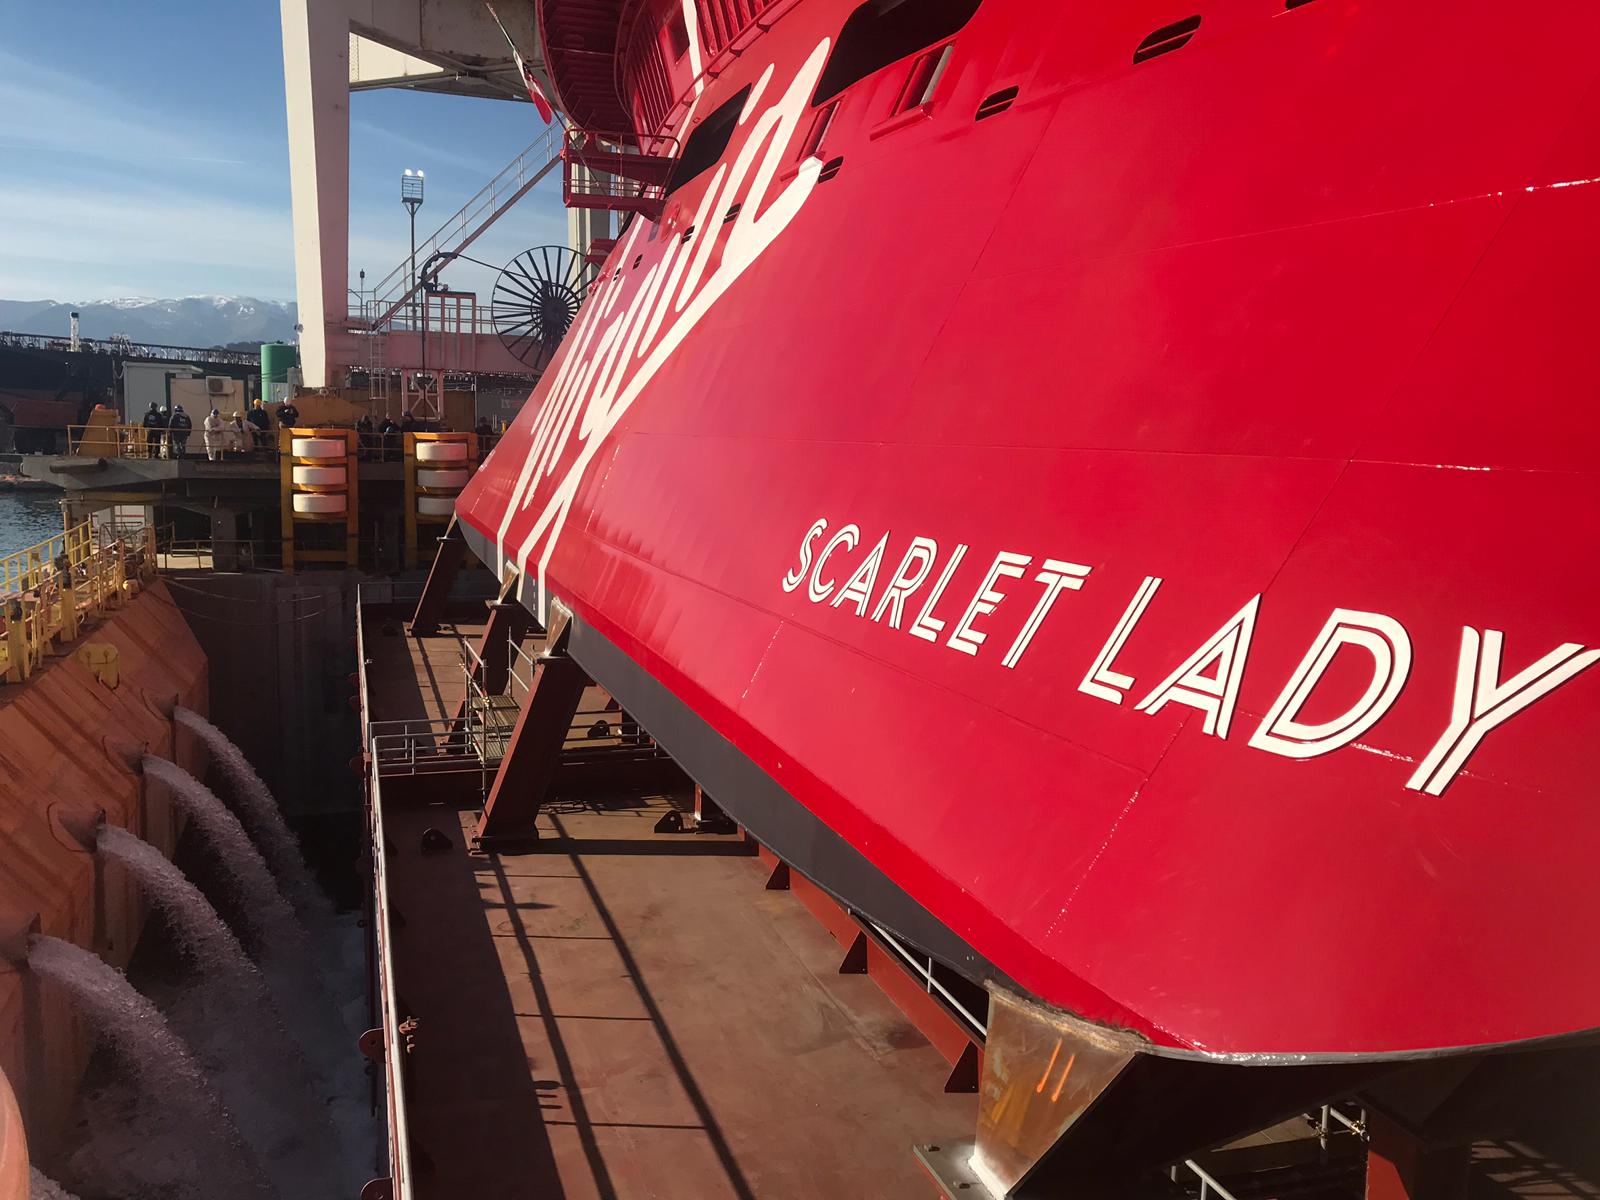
(68, 739)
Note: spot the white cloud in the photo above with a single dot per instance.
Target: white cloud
(64, 115)
(100, 195)
(100, 241)
(430, 156)
(103, 196)
(527, 225)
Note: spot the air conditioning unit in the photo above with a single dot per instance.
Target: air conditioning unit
(218, 385)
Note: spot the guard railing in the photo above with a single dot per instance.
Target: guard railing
(416, 745)
(123, 347)
(391, 295)
(134, 441)
(1210, 1189)
(385, 994)
(48, 591)
(203, 554)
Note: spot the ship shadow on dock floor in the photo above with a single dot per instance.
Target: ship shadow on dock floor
(616, 1012)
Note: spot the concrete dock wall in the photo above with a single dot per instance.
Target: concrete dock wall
(281, 650)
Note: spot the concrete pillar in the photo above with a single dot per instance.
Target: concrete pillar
(404, 39)
(76, 512)
(393, 541)
(224, 539)
(316, 78)
(586, 224)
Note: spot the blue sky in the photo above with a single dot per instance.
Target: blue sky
(143, 152)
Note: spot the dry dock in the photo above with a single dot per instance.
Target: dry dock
(620, 1012)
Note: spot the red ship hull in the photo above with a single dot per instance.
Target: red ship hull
(1149, 531)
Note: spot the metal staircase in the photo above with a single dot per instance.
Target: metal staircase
(436, 330)
(395, 290)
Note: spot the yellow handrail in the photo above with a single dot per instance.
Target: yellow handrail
(49, 590)
(115, 441)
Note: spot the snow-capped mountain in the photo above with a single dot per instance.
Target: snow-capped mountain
(188, 321)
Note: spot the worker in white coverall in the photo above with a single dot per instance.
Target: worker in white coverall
(238, 436)
(215, 435)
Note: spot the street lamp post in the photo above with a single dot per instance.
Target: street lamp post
(411, 197)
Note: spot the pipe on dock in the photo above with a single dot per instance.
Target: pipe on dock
(17, 940)
(129, 754)
(82, 828)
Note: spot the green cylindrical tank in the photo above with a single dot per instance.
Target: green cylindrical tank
(276, 359)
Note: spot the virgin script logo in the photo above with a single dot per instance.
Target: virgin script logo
(614, 351)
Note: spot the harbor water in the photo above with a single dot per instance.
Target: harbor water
(27, 518)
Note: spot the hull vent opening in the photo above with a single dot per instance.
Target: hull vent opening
(812, 146)
(677, 35)
(1167, 39)
(882, 32)
(996, 103)
(706, 144)
(733, 211)
(1295, 3)
(922, 82)
(687, 234)
(830, 169)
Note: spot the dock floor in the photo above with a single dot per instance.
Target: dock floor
(621, 1013)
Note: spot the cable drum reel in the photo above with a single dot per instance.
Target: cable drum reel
(536, 299)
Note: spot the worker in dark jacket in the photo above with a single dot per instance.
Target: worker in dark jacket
(288, 415)
(155, 431)
(389, 438)
(260, 426)
(179, 430)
